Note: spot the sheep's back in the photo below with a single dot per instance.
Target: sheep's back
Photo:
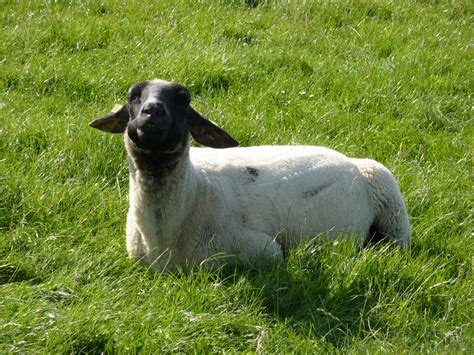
(287, 190)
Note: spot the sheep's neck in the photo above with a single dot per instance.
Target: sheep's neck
(159, 196)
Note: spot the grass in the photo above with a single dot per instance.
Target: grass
(389, 80)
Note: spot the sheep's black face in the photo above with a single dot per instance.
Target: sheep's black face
(158, 116)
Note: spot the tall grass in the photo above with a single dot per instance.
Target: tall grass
(389, 80)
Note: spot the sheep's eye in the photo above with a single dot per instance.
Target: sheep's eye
(135, 100)
(183, 97)
(134, 94)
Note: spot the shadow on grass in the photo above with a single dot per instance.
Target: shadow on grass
(311, 307)
(340, 294)
(10, 273)
(88, 343)
(318, 294)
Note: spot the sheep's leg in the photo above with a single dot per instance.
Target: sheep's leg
(135, 245)
(259, 249)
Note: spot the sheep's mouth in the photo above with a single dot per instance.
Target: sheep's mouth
(147, 137)
(151, 144)
(141, 134)
(135, 144)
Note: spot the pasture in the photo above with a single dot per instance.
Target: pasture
(387, 80)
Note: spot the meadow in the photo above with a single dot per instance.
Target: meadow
(388, 79)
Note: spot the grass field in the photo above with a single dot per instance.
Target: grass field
(388, 80)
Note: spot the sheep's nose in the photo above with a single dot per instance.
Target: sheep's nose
(152, 115)
(147, 110)
(152, 109)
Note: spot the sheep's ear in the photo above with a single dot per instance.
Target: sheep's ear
(114, 122)
(208, 133)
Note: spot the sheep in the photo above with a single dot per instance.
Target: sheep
(202, 206)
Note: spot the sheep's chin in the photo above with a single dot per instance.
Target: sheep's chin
(171, 150)
(141, 150)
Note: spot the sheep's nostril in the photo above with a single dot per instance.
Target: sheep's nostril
(147, 111)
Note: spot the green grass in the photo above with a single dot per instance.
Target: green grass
(389, 80)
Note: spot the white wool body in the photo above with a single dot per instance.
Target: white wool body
(253, 204)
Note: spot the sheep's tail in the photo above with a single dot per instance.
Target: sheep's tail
(391, 218)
